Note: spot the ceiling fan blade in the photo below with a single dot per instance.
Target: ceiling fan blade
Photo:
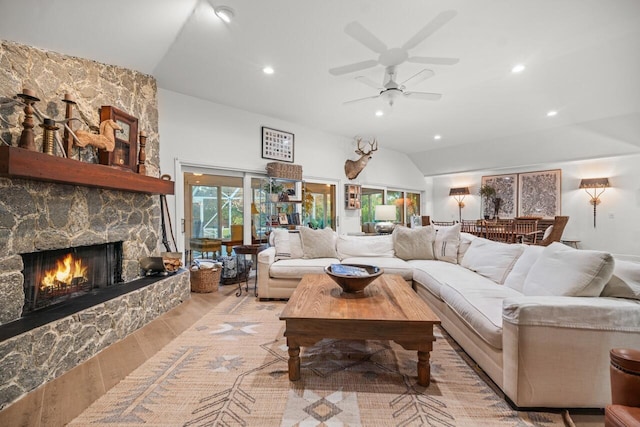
(369, 82)
(430, 28)
(345, 69)
(364, 36)
(433, 60)
(418, 77)
(423, 95)
(353, 101)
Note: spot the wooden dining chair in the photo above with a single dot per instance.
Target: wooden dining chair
(499, 232)
(525, 231)
(469, 226)
(442, 222)
(555, 232)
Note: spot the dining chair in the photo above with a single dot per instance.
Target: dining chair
(554, 232)
(525, 231)
(499, 232)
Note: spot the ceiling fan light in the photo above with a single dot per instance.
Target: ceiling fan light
(224, 12)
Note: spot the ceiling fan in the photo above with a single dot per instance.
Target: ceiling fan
(391, 90)
(395, 56)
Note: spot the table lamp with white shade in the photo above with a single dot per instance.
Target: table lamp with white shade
(385, 215)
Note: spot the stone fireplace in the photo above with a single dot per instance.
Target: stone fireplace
(40, 220)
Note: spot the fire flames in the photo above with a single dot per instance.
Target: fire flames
(68, 272)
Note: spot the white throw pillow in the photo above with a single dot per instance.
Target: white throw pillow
(414, 243)
(445, 247)
(365, 246)
(318, 243)
(493, 260)
(547, 232)
(564, 271)
(287, 244)
(625, 282)
(465, 242)
(515, 279)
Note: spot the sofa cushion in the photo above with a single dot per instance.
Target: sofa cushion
(445, 247)
(414, 243)
(625, 281)
(433, 274)
(465, 242)
(515, 279)
(563, 271)
(479, 305)
(491, 259)
(287, 243)
(365, 246)
(318, 243)
(389, 265)
(296, 268)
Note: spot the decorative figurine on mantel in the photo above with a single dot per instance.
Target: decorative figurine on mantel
(26, 138)
(142, 157)
(125, 152)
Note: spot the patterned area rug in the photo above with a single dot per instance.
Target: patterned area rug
(230, 369)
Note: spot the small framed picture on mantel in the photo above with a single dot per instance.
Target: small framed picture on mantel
(277, 145)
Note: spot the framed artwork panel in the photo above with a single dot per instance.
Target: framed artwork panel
(277, 145)
(540, 193)
(506, 197)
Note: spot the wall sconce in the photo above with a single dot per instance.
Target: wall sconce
(594, 188)
(458, 194)
(386, 214)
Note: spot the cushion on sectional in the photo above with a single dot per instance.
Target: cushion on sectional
(491, 259)
(515, 279)
(445, 247)
(625, 282)
(389, 265)
(563, 271)
(480, 307)
(318, 243)
(287, 244)
(465, 242)
(414, 243)
(296, 268)
(432, 275)
(365, 246)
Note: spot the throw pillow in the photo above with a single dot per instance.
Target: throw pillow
(493, 260)
(465, 242)
(318, 243)
(563, 271)
(413, 243)
(287, 244)
(625, 282)
(515, 279)
(445, 247)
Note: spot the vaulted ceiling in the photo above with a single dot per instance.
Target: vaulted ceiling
(582, 59)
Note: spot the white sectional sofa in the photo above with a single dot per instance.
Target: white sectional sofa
(540, 321)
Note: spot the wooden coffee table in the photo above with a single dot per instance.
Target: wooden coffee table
(388, 310)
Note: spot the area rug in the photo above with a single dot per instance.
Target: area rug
(230, 369)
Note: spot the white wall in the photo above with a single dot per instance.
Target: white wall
(618, 228)
(208, 135)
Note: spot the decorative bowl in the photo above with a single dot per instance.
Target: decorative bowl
(357, 277)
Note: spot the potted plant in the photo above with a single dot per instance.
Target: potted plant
(487, 192)
(274, 189)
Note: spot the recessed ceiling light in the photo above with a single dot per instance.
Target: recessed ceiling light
(437, 137)
(379, 113)
(267, 70)
(224, 12)
(518, 68)
(552, 113)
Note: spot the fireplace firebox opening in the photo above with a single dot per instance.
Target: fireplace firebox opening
(54, 276)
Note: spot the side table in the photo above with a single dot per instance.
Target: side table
(252, 250)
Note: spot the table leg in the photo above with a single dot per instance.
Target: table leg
(424, 370)
(294, 360)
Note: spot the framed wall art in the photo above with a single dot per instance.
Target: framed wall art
(277, 145)
(539, 193)
(504, 203)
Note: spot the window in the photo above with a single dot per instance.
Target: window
(213, 207)
(318, 205)
(371, 197)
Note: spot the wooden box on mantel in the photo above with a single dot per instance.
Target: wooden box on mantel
(284, 170)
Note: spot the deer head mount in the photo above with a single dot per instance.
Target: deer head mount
(352, 168)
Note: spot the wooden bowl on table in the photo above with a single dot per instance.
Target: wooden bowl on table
(353, 278)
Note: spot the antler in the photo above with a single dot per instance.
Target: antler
(373, 145)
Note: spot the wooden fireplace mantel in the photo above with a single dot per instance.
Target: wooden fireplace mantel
(25, 164)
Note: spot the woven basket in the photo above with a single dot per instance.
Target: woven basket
(204, 280)
(284, 170)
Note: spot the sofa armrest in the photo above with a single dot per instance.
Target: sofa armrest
(595, 313)
(555, 350)
(268, 256)
(265, 259)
